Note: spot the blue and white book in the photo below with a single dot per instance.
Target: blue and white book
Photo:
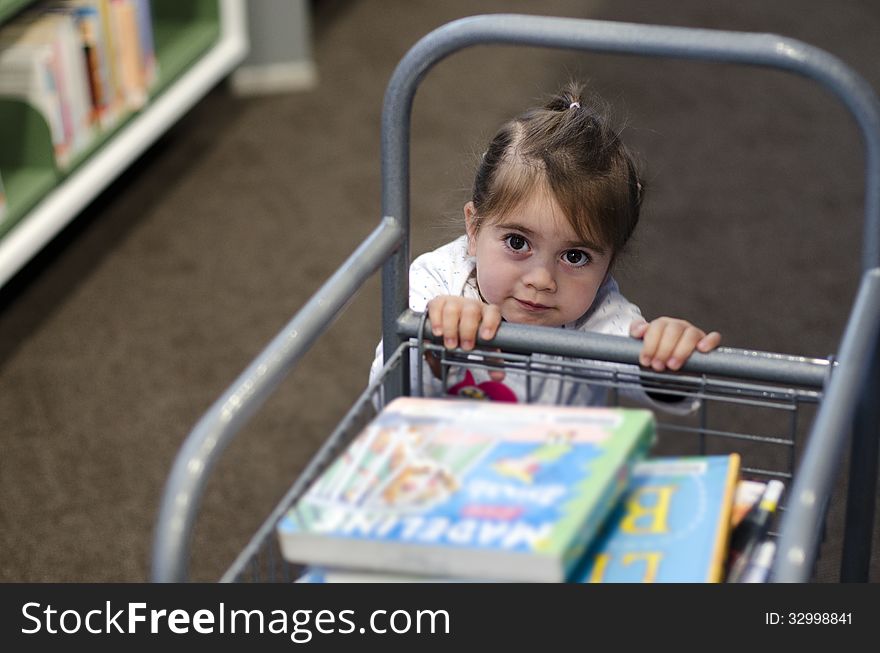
(672, 525)
(469, 489)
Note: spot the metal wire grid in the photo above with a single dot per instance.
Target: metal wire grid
(740, 397)
(765, 423)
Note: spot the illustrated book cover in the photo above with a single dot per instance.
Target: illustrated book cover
(673, 524)
(469, 489)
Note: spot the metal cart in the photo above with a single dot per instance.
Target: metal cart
(789, 417)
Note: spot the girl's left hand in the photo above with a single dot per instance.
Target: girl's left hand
(668, 342)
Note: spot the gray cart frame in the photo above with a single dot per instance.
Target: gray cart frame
(848, 412)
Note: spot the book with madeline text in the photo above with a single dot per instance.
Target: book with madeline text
(468, 489)
(672, 525)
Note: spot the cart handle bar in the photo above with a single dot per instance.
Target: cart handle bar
(725, 361)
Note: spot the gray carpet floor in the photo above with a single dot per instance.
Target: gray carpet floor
(123, 332)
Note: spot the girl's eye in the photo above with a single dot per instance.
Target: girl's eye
(576, 257)
(516, 242)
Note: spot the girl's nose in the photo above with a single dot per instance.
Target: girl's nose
(540, 277)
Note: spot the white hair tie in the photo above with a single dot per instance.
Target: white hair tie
(574, 105)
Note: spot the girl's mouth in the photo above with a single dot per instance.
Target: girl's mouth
(531, 306)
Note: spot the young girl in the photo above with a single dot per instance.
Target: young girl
(556, 197)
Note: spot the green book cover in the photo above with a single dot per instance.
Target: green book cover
(469, 489)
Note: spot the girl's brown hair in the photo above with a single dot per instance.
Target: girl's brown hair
(570, 147)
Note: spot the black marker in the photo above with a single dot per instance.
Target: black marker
(752, 530)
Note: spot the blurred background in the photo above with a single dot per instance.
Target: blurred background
(124, 330)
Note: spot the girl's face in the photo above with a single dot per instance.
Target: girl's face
(533, 266)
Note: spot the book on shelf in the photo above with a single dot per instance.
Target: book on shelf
(468, 489)
(2, 200)
(144, 20)
(133, 71)
(30, 75)
(94, 39)
(59, 29)
(32, 69)
(117, 97)
(82, 64)
(673, 524)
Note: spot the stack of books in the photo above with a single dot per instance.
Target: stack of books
(82, 64)
(460, 490)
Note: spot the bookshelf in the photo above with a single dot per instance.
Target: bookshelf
(197, 43)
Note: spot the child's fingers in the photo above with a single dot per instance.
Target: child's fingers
(443, 313)
(685, 347)
(449, 319)
(469, 321)
(650, 341)
(435, 315)
(669, 342)
(637, 328)
(490, 322)
(458, 320)
(709, 342)
(672, 334)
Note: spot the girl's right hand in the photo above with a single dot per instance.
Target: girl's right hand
(458, 319)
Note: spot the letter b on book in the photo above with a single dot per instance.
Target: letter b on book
(647, 510)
